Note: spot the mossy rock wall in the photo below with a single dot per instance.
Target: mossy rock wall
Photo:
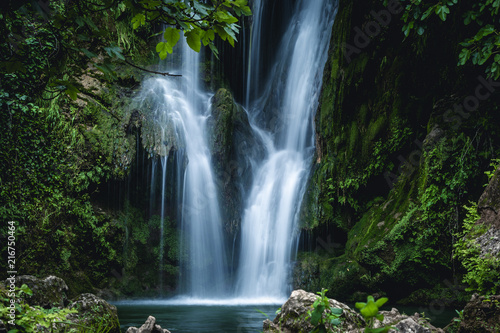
(394, 163)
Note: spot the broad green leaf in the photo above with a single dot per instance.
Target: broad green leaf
(88, 53)
(370, 310)
(381, 301)
(193, 40)
(72, 91)
(337, 311)
(163, 49)
(427, 13)
(208, 36)
(138, 20)
(172, 36)
(115, 51)
(360, 305)
(316, 314)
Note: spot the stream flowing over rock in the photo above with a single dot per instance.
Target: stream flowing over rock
(292, 318)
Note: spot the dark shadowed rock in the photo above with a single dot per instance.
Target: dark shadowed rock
(481, 315)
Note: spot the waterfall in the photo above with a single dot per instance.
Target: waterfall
(178, 115)
(280, 106)
(283, 117)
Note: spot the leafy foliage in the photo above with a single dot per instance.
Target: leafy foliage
(201, 21)
(323, 314)
(482, 48)
(37, 319)
(370, 311)
(481, 269)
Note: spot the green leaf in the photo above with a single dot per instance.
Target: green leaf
(138, 20)
(370, 310)
(115, 51)
(208, 37)
(88, 53)
(193, 40)
(163, 49)
(71, 91)
(381, 301)
(427, 13)
(316, 314)
(360, 305)
(337, 311)
(172, 36)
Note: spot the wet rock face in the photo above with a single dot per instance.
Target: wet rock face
(481, 315)
(47, 293)
(233, 147)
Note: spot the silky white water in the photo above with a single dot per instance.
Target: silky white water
(180, 111)
(281, 112)
(270, 221)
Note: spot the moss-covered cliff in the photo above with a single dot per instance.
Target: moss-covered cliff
(396, 160)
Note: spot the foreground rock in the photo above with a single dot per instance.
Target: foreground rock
(481, 314)
(94, 312)
(47, 293)
(149, 326)
(292, 318)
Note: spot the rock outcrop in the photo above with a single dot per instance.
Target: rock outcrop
(489, 209)
(233, 146)
(149, 326)
(481, 315)
(94, 312)
(292, 318)
(47, 293)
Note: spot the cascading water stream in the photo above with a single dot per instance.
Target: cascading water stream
(180, 111)
(281, 111)
(269, 223)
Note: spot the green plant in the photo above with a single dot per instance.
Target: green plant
(37, 319)
(482, 48)
(322, 314)
(481, 269)
(370, 311)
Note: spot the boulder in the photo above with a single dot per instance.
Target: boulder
(481, 315)
(95, 312)
(47, 293)
(407, 324)
(292, 318)
(149, 326)
(233, 146)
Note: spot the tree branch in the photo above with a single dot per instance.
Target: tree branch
(150, 71)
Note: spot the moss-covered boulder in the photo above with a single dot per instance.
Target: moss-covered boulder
(94, 312)
(233, 146)
(48, 292)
